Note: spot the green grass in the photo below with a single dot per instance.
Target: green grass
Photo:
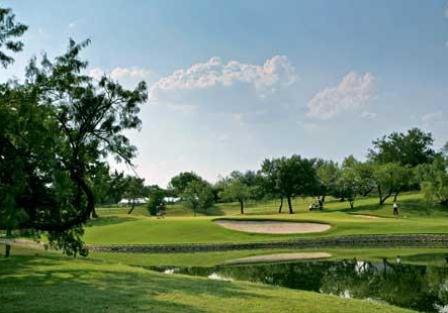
(433, 256)
(116, 227)
(47, 283)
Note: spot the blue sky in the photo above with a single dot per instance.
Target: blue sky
(234, 82)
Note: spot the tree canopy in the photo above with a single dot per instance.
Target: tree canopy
(408, 149)
(58, 123)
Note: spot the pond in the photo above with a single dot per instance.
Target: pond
(422, 288)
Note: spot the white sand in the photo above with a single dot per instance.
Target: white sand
(366, 216)
(273, 227)
(282, 257)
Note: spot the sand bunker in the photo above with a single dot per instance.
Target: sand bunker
(273, 227)
(372, 217)
(280, 257)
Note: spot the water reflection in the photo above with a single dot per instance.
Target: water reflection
(418, 287)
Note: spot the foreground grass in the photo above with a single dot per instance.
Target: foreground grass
(50, 283)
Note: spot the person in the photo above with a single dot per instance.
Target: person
(395, 207)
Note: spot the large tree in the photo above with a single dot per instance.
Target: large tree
(391, 179)
(179, 183)
(236, 190)
(328, 173)
(293, 176)
(408, 149)
(10, 31)
(135, 188)
(198, 196)
(434, 180)
(62, 121)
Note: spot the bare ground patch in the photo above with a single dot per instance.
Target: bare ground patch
(280, 257)
(273, 227)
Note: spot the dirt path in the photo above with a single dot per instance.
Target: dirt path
(273, 227)
(281, 257)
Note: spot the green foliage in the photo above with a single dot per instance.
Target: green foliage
(198, 195)
(356, 179)
(236, 190)
(156, 201)
(10, 30)
(391, 178)
(179, 183)
(290, 177)
(410, 149)
(56, 129)
(434, 180)
(328, 174)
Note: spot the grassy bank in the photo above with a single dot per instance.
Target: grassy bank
(47, 283)
(407, 255)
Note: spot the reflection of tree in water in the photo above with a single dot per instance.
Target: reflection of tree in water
(416, 287)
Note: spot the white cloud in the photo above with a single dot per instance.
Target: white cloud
(353, 92)
(274, 73)
(119, 73)
(432, 117)
(368, 115)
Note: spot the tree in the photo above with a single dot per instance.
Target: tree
(117, 187)
(328, 174)
(62, 121)
(410, 149)
(348, 184)
(290, 177)
(269, 172)
(156, 200)
(434, 180)
(356, 179)
(135, 189)
(9, 31)
(101, 180)
(391, 178)
(179, 183)
(236, 190)
(198, 195)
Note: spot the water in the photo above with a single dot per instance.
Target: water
(419, 287)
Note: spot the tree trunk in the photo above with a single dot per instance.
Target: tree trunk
(281, 205)
(8, 246)
(383, 199)
(352, 204)
(290, 205)
(241, 206)
(94, 214)
(132, 207)
(396, 196)
(323, 198)
(380, 194)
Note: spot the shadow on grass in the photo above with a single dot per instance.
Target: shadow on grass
(48, 284)
(109, 220)
(416, 207)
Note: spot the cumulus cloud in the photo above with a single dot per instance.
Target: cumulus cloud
(274, 73)
(353, 92)
(119, 73)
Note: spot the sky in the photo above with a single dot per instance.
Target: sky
(234, 82)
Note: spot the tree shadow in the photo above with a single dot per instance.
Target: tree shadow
(50, 284)
(109, 220)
